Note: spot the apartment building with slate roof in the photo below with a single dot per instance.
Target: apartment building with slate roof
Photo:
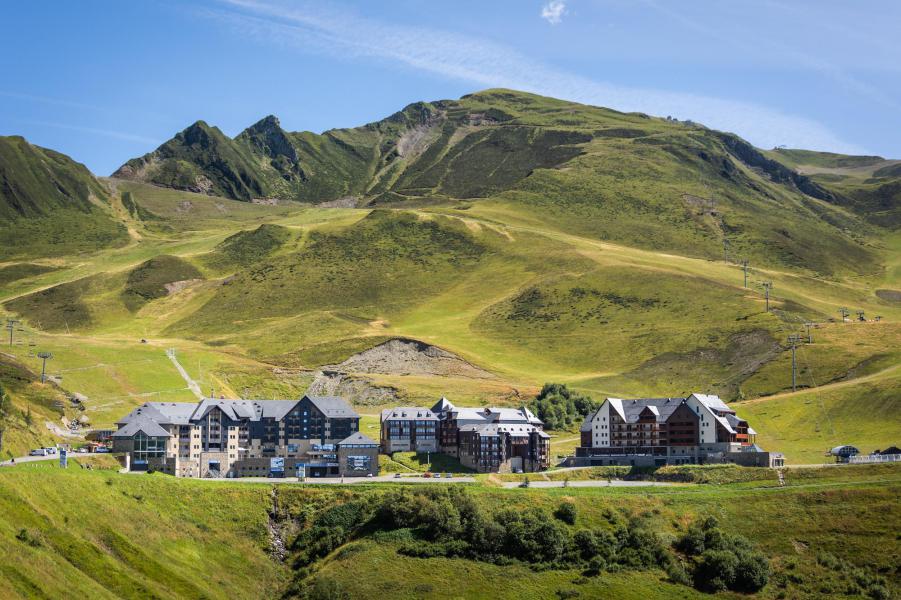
(696, 429)
(235, 438)
(483, 439)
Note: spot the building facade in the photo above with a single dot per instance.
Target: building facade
(483, 439)
(660, 431)
(409, 429)
(235, 438)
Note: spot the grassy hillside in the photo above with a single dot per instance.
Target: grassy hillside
(97, 534)
(32, 405)
(642, 181)
(101, 534)
(524, 301)
(535, 239)
(50, 205)
(867, 185)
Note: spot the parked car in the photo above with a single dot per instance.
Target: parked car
(427, 474)
(397, 475)
(50, 451)
(102, 450)
(448, 475)
(38, 452)
(82, 450)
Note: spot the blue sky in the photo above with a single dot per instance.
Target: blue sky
(107, 80)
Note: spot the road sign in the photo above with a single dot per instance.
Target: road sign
(301, 471)
(63, 458)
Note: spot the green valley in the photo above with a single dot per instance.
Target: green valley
(510, 239)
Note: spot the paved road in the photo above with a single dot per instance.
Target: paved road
(346, 480)
(590, 483)
(26, 459)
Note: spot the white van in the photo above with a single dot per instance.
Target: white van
(38, 452)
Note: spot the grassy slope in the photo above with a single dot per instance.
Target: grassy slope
(869, 185)
(826, 511)
(30, 400)
(101, 535)
(642, 319)
(50, 205)
(630, 178)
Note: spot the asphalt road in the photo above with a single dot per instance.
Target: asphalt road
(346, 480)
(27, 459)
(590, 483)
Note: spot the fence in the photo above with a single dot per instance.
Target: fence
(874, 458)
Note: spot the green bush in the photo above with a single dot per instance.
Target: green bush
(715, 571)
(566, 512)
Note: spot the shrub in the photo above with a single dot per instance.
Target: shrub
(566, 512)
(29, 538)
(752, 572)
(596, 565)
(715, 571)
(677, 573)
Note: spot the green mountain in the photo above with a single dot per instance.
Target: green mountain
(530, 239)
(867, 185)
(629, 178)
(51, 205)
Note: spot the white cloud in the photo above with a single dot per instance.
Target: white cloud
(488, 64)
(118, 135)
(553, 11)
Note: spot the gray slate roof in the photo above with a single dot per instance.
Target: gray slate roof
(332, 406)
(408, 412)
(358, 439)
(141, 423)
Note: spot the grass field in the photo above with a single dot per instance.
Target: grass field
(101, 534)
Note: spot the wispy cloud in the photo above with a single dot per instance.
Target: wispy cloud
(489, 64)
(46, 100)
(553, 11)
(751, 43)
(118, 135)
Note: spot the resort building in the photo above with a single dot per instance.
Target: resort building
(235, 438)
(659, 431)
(409, 429)
(483, 439)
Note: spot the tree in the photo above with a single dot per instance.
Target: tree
(559, 407)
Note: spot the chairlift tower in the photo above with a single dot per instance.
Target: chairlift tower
(11, 325)
(767, 286)
(860, 316)
(44, 356)
(844, 312)
(744, 267)
(809, 335)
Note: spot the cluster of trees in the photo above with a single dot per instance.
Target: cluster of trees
(447, 521)
(561, 408)
(722, 561)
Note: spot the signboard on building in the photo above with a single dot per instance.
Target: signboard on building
(359, 463)
(277, 464)
(63, 458)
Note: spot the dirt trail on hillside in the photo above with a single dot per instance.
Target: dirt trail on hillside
(823, 388)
